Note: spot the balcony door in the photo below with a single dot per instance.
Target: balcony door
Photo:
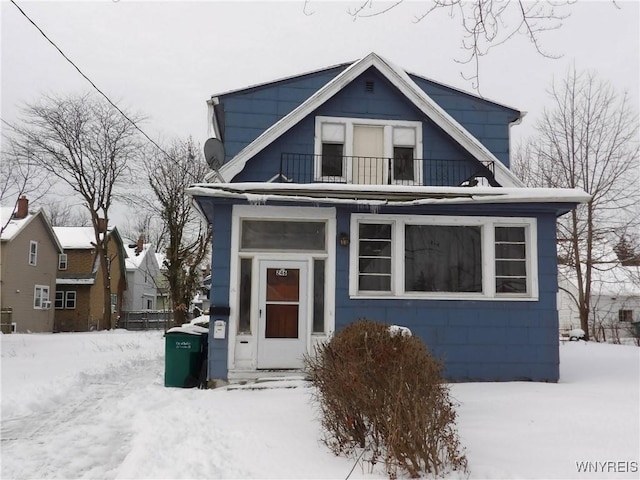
(368, 154)
(283, 315)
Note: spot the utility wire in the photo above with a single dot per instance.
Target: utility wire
(91, 82)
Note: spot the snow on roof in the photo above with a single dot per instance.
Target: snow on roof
(134, 260)
(14, 226)
(380, 195)
(161, 257)
(76, 237)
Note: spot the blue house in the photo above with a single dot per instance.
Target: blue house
(363, 191)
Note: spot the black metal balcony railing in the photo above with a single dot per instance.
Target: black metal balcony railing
(310, 168)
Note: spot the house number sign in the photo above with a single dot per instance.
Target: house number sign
(282, 272)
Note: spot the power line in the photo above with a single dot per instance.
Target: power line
(90, 81)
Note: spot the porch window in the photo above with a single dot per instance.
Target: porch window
(511, 260)
(283, 235)
(440, 257)
(374, 257)
(443, 258)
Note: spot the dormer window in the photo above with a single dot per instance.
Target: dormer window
(368, 151)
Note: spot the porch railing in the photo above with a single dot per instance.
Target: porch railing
(312, 168)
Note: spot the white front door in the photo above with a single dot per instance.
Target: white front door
(283, 314)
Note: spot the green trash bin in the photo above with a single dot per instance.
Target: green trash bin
(185, 357)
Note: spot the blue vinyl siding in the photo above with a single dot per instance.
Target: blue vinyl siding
(220, 219)
(249, 112)
(385, 103)
(476, 340)
(487, 121)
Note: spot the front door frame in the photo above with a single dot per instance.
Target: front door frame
(283, 353)
(242, 352)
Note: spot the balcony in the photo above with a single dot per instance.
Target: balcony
(310, 168)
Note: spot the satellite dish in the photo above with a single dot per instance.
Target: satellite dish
(214, 154)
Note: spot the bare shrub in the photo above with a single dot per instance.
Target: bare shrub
(380, 392)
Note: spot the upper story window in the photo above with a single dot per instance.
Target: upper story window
(443, 257)
(62, 261)
(33, 253)
(367, 151)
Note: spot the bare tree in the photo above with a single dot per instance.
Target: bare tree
(19, 175)
(187, 237)
(88, 146)
(62, 214)
(588, 140)
(485, 24)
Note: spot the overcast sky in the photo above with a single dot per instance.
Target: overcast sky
(165, 59)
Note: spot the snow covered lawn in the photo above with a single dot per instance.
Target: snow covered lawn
(93, 405)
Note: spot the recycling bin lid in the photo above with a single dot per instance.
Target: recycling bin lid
(188, 329)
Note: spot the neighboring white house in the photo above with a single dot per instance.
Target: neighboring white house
(615, 301)
(143, 277)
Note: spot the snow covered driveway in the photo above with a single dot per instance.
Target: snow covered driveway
(86, 433)
(67, 401)
(94, 405)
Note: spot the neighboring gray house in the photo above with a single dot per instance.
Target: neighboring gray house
(29, 256)
(143, 277)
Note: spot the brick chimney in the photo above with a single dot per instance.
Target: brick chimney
(139, 245)
(23, 208)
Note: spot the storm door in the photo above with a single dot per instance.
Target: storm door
(282, 315)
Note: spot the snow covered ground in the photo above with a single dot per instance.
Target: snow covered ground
(93, 405)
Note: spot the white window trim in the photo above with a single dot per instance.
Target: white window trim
(38, 303)
(66, 299)
(33, 253)
(349, 123)
(251, 212)
(59, 293)
(62, 261)
(487, 224)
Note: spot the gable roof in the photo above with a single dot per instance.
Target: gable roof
(15, 226)
(76, 238)
(407, 87)
(133, 260)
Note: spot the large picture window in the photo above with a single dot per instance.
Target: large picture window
(443, 257)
